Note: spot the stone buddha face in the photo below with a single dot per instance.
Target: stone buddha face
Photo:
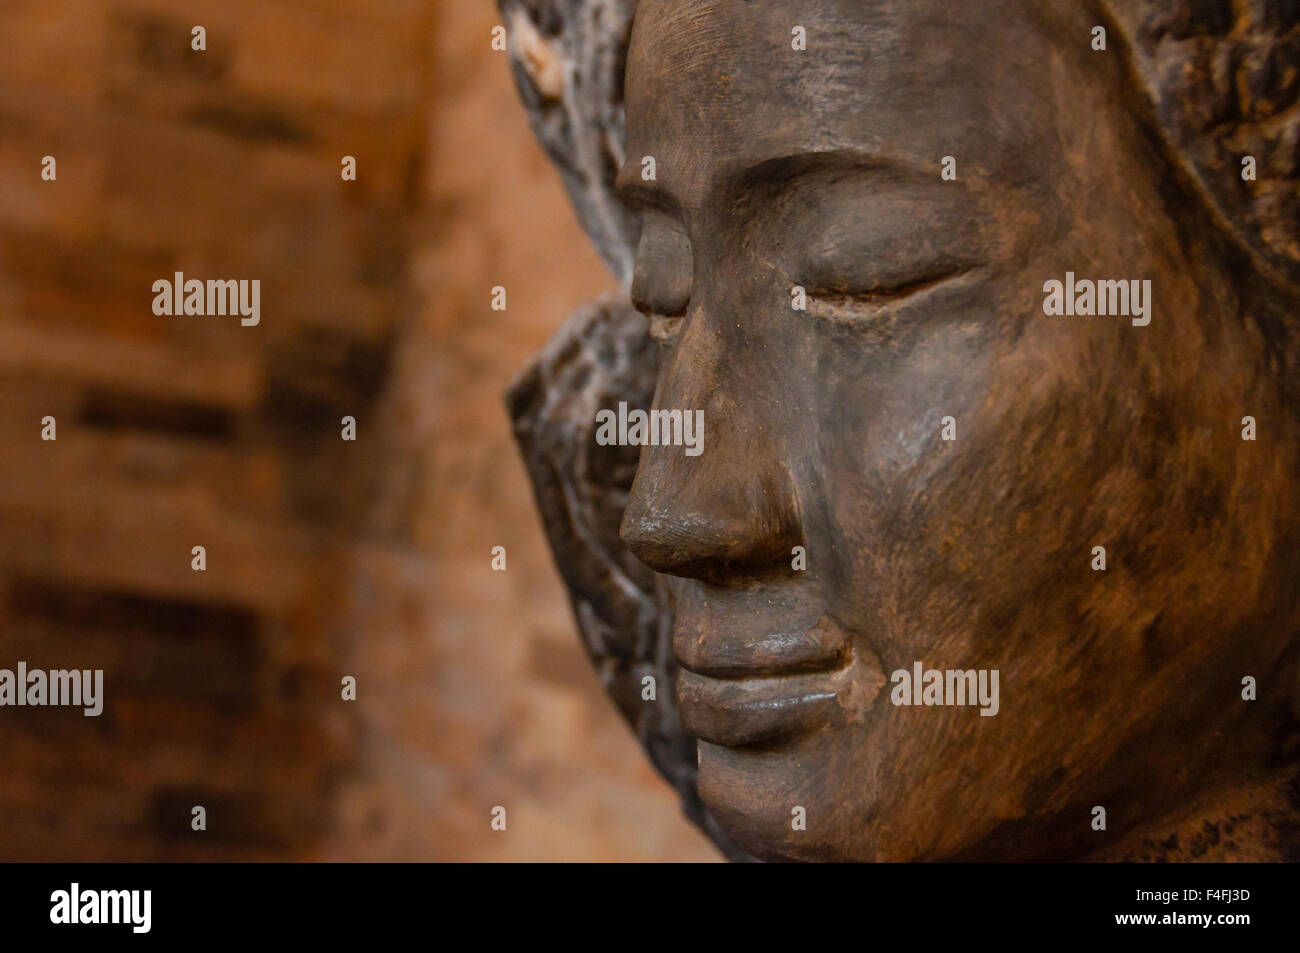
(915, 471)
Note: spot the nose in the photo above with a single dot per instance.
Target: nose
(732, 510)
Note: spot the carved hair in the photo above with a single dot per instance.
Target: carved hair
(1223, 79)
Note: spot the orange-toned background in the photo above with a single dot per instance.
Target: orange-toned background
(325, 558)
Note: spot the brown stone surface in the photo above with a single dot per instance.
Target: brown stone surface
(324, 558)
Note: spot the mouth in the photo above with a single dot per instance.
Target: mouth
(759, 710)
(754, 694)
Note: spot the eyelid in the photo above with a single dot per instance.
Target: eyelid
(886, 291)
(880, 302)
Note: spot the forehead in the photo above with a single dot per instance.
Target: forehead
(714, 86)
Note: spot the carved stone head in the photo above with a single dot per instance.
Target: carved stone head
(989, 313)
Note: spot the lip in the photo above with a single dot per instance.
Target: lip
(719, 639)
(757, 710)
(742, 684)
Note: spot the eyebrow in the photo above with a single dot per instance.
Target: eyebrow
(631, 189)
(777, 172)
(773, 172)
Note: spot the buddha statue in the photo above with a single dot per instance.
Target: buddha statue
(989, 312)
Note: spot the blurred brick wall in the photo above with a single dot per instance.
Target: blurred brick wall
(325, 558)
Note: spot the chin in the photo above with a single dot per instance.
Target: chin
(752, 792)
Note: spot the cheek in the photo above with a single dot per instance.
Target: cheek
(963, 474)
(976, 551)
(899, 454)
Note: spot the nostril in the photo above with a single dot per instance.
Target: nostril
(644, 537)
(669, 546)
(708, 538)
(639, 538)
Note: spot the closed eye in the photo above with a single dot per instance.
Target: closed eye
(883, 293)
(880, 301)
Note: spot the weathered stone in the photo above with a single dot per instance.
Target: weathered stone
(578, 118)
